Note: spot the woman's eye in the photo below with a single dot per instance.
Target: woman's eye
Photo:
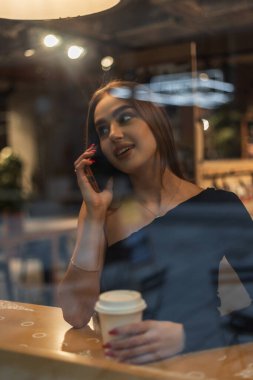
(102, 131)
(125, 118)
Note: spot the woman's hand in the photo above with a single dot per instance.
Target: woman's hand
(95, 201)
(145, 341)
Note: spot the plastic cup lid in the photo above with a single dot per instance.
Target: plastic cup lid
(120, 302)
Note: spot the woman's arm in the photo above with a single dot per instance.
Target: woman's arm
(79, 288)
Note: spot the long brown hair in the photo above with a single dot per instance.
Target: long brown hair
(155, 116)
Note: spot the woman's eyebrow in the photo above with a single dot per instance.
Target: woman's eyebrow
(114, 114)
(120, 109)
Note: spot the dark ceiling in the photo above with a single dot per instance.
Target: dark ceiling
(134, 26)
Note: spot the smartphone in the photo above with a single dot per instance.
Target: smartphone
(92, 179)
(100, 171)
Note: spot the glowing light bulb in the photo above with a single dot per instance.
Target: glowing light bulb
(107, 63)
(29, 52)
(75, 52)
(51, 40)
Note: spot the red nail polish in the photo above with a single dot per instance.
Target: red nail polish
(107, 345)
(113, 332)
(110, 354)
(92, 161)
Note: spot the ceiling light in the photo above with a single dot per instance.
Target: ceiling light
(52, 9)
(107, 63)
(75, 52)
(51, 40)
(29, 52)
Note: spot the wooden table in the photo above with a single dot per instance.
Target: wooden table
(37, 343)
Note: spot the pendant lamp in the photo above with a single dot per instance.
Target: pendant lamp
(51, 9)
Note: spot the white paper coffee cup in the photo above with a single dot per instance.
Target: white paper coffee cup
(117, 308)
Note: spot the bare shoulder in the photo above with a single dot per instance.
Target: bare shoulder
(188, 190)
(115, 226)
(123, 221)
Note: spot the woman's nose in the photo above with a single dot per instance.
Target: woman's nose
(115, 131)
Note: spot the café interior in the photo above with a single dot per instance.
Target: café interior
(197, 56)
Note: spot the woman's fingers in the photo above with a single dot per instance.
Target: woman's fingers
(89, 152)
(84, 182)
(131, 329)
(85, 160)
(82, 163)
(133, 351)
(131, 340)
(91, 193)
(134, 340)
(146, 358)
(146, 341)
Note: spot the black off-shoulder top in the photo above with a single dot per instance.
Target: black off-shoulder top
(174, 261)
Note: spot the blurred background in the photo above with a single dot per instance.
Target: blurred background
(197, 55)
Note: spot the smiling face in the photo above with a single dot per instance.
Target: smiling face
(125, 138)
(157, 126)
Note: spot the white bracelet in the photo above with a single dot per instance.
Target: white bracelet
(79, 267)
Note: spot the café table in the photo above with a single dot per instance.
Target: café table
(37, 343)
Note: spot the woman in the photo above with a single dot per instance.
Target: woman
(164, 236)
